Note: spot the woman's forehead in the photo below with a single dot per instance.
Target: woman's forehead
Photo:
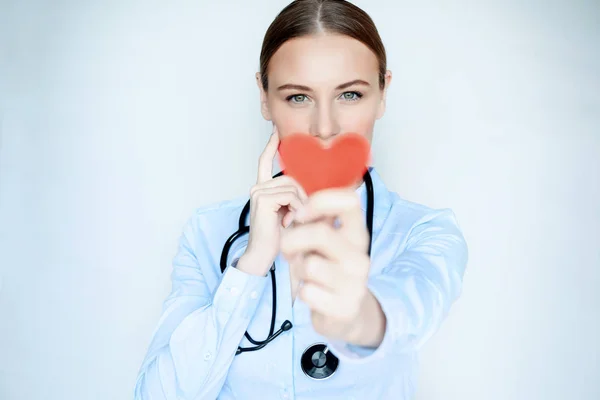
(322, 60)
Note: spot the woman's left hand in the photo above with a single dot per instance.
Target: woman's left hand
(333, 264)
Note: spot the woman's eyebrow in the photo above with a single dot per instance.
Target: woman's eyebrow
(352, 83)
(295, 87)
(342, 86)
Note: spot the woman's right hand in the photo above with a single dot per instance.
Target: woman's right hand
(273, 205)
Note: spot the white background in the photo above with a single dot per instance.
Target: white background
(118, 119)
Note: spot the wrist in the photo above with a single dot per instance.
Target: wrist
(251, 263)
(370, 325)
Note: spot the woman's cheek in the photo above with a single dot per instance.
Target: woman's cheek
(288, 120)
(288, 126)
(358, 121)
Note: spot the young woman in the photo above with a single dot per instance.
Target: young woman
(313, 303)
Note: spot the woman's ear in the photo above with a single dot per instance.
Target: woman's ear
(388, 81)
(264, 105)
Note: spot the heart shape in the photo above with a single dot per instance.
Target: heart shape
(316, 168)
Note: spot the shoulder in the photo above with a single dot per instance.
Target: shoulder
(209, 226)
(220, 210)
(420, 224)
(415, 214)
(400, 217)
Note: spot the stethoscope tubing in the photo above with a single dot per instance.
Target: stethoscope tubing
(244, 229)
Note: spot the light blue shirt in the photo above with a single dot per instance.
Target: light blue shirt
(418, 260)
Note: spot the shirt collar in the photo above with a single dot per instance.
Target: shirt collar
(381, 195)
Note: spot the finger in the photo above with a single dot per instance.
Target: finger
(317, 237)
(333, 203)
(281, 181)
(321, 238)
(320, 300)
(265, 162)
(288, 218)
(279, 199)
(263, 189)
(340, 203)
(269, 193)
(321, 272)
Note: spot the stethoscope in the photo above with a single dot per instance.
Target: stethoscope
(317, 361)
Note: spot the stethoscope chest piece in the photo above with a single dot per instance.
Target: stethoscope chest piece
(318, 362)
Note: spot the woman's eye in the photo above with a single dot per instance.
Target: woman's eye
(351, 96)
(297, 98)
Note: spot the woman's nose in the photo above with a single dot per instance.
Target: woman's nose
(325, 124)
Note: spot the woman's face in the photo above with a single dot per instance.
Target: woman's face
(323, 85)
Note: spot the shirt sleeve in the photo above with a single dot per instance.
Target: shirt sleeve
(417, 289)
(199, 331)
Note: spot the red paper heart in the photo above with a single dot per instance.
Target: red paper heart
(316, 168)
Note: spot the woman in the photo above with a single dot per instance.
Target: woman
(323, 72)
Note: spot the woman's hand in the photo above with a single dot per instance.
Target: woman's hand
(273, 203)
(334, 266)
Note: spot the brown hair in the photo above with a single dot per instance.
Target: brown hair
(306, 17)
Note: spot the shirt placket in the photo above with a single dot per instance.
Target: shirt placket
(285, 358)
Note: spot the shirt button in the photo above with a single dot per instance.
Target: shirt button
(234, 291)
(285, 393)
(253, 295)
(207, 356)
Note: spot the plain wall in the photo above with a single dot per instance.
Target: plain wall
(119, 118)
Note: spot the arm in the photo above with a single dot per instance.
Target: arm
(415, 292)
(198, 332)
